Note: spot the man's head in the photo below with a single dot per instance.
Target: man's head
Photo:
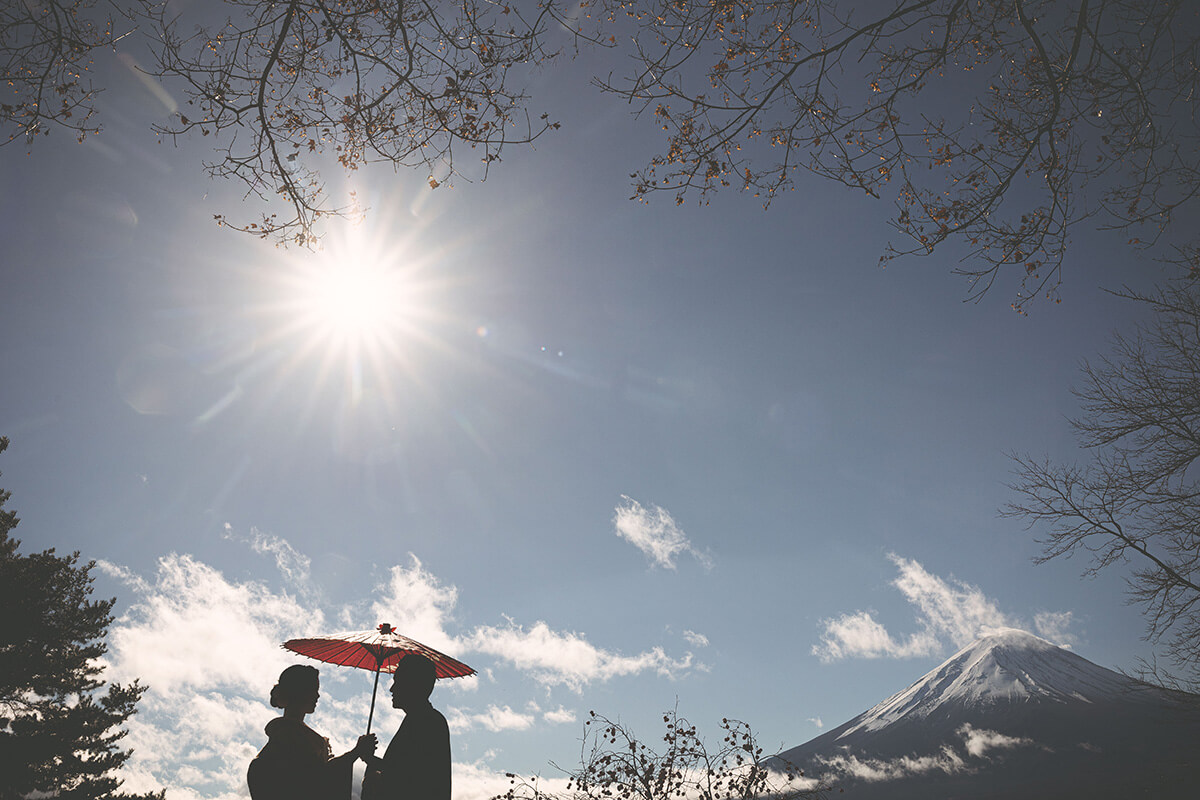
(412, 682)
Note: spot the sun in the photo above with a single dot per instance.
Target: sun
(357, 298)
(354, 304)
(362, 311)
(351, 332)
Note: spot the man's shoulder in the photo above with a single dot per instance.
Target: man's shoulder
(425, 720)
(430, 716)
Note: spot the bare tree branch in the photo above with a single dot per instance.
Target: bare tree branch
(45, 52)
(996, 124)
(616, 765)
(288, 85)
(1138, 500)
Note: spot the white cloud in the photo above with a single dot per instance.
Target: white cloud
(414, 601)
(695, 639)
(495, 719)
(975, 744)
(1054, 626)
(978, 742)
(559, 716)
(567, 659)
(654, 532)
(293, 565)
(194, 629)
(873, 770)
(859, 635)
(480, 781)
(947, 611)
(957, 611)
(125, 575)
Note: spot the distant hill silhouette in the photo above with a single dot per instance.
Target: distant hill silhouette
(1014, 716)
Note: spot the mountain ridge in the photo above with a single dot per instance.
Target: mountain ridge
(1000, 667)
(1013, 713)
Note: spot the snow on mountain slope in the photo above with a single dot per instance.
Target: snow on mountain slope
(1006, 666)
(1013, 715)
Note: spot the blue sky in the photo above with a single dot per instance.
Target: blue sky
(615, 456)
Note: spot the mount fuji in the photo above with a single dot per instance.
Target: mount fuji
(1013, 715)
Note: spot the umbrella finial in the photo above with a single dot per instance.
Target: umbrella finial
(385, 628)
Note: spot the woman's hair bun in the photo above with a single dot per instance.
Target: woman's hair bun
(294, 682)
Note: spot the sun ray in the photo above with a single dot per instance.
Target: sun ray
(368, 314)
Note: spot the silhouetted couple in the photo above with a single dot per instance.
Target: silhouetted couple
(298, 764)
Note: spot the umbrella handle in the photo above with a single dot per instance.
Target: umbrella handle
(371, 716)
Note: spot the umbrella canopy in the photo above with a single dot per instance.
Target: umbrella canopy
(379, 650)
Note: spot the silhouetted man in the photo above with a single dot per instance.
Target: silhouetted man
(416, 765)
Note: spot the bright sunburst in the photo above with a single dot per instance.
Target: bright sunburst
(354, 305)
(358, 308)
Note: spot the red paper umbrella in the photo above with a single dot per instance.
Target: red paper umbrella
(379, 651)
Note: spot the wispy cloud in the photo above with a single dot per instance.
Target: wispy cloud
(567, 659)
(653, 531)
(559, 716)
(495, 719)
(293, 565)
(950, 611)
(414, 601)
(966, 755)
(695, 639)
(191, 628)
(479, 781)
(1055, 626)
(873, 770)
(978, 742)
(504, 718)
(207, 646)
(123, 574)
(860, 635)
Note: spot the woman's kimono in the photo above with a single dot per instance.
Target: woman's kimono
(297, 764)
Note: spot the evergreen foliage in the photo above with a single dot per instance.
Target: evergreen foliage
(59, 724)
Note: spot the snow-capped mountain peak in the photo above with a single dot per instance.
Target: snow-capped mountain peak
(1005, 666)
(1013, 715)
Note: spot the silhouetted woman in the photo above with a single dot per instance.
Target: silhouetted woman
(297, 763)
